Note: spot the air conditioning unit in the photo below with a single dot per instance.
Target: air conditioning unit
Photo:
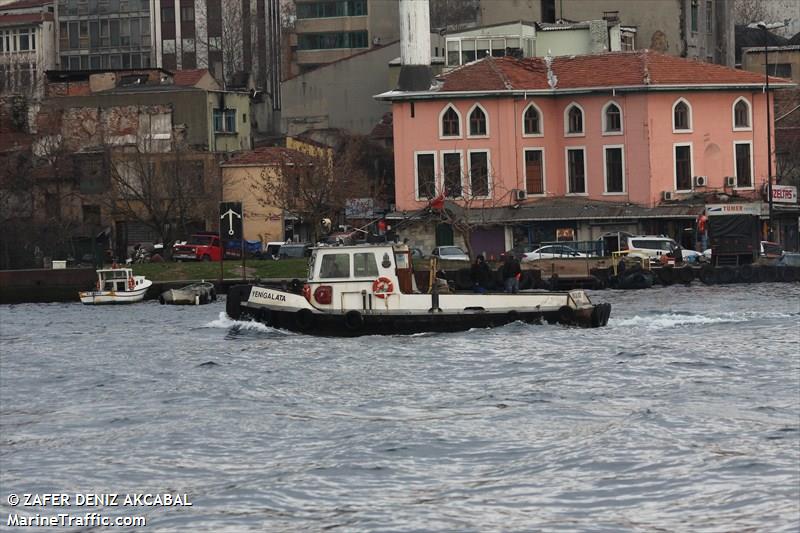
(700, 181)
(730, 181)
(520, 195)
(667, 196)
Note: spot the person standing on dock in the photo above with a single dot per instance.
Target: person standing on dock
(511, 274)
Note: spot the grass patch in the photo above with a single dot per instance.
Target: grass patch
(196, 270)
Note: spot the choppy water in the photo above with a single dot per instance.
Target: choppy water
(682, 415)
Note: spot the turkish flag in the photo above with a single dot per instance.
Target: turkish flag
(438, 202)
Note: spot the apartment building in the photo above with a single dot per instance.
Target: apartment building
(27, 46)
(329, 30)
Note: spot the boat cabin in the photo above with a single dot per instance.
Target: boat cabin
(115, 279)
(343, 273)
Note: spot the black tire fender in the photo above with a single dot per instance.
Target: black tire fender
(566, 315)
(747, 273)
(686, 274)
(161, 299)
(304, 319)
(666, 276)
(708, 275)
(353, 320)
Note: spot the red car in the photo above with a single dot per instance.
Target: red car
(199, 247)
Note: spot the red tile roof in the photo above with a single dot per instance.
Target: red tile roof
(267, 156)
(24, 18)
(614, 69)
(188, 78)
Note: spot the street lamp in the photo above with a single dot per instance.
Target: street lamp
(765, 28)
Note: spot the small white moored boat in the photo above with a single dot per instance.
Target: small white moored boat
(194, 294)
(116, 286)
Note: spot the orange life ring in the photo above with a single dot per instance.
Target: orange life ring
(382, 287)
(131, 284)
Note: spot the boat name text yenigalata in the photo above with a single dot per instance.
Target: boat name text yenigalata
(269, 295)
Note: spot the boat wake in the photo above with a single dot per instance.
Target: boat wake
(673, 320)
(235, 326)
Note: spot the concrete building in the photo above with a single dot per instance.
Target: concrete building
(511, 140)
(27, 46)
(244, 171)
(330, 30)
(339, 95)
(700, 29)
(106, 34)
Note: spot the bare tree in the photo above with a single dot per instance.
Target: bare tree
(747, 11)
(315, 186)
(468, 202)
(453, 14)
(236, 23)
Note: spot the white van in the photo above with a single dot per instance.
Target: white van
(650, 246)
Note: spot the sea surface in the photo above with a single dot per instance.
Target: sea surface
(682, 415)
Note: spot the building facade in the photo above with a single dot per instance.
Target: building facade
(326, 31)
(27, 46)
(700, 29)
(582, 136)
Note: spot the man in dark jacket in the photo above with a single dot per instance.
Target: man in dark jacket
(480, 274)
(511, 274)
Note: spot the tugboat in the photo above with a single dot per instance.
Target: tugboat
(116, 286)
(370, 290)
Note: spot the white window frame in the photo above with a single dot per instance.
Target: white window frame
(691, 116)
(606, 132)
(488, 172)
(440, 183)
(544, 171)
(468, 121)
(675, 167)
(735, 170)
(585, 174)
(460, 123)
(749, 115)
(566, 120)
(624, 190)
(435, 174)
(541, 121)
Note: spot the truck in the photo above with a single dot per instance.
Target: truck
(203, 246)
(733, 235)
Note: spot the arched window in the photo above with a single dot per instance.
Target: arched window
(574, 120)
(477, 121)
(612, 119)
(532, 121)
(681, 116)
(741, 114)
(450, 123)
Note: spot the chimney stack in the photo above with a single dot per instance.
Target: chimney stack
(415, 46)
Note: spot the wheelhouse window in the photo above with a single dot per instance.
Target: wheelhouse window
(615, 179)
(576, 171)
(451, 165)
(683, 168)
(744, 176)
(532, 122)
(479, 173)
(335, 266)
(450, 123)
(574, 120)
(365, 265)
(426, 175)
(741, 115)
(534, 172)
(477, 122)
(613, 119)
(681, 117)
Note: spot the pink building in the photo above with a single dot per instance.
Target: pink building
(633, 141)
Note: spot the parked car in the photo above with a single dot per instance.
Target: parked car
(651, 247)
(199, 247)
(450, 253)
(518, 251)
(271, 249)
(552, 251)
(294, 250)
